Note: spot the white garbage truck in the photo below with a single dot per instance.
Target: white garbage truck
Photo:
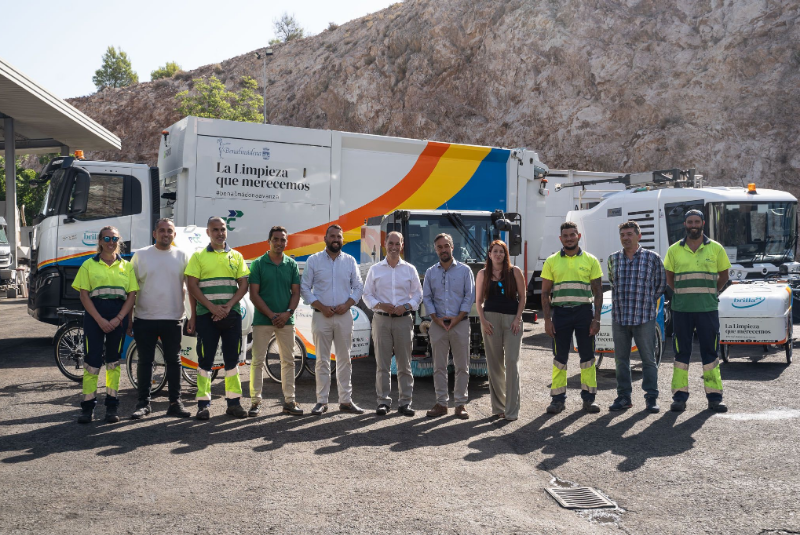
(256, 176)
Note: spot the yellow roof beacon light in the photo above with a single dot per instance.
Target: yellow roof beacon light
(79, 154)
(751, 188)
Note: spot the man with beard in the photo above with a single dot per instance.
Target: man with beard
(393, 291)
(449, 293)
(275, 293)
(573, 276)
(159, 314)
(331, 284)
(697, 270)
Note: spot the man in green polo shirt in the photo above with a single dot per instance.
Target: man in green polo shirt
(697, 270)
(275, 293)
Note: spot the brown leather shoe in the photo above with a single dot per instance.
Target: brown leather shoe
(437, 410)
(461, 412)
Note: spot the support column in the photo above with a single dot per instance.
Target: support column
(11, 188)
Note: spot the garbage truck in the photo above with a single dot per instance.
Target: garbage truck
(259, 175)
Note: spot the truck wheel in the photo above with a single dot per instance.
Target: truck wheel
(724, 353)
(789, 344)
(659, 347)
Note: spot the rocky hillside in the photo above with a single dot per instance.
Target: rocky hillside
(591, 84)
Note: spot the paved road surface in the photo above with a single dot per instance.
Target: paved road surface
(670, 473)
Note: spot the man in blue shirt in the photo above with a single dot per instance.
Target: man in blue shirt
(638, 279)
(331, 284)
(448, 293)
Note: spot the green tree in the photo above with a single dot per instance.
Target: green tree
(167, 71)
(28, 196)
(213, 100)
(116, 70)
(287, 29)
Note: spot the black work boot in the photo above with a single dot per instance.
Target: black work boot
(111, 414)
(87, 411)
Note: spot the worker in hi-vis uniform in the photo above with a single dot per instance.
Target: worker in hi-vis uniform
(107, 286)
(574, 278)
(697, 269)
(217, 278)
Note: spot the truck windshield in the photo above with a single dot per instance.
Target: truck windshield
(3, 237)
(51, 196)
(471, 238)
(755, 231)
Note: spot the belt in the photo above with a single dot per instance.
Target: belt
(406, 313)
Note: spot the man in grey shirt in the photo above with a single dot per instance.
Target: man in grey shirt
(331, 284)
(159, 314)
(448, 294)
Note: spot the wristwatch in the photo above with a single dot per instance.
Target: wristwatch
(407, 307)
(290, 311)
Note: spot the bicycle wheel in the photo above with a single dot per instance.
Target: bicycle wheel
(273, 361)
(190, 375)
(159, 378)
(69, 350)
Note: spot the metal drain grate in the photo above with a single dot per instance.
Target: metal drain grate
(580, 498)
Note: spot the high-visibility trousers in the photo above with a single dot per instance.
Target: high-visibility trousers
(102, 347)
(706, 326)
(567, 320)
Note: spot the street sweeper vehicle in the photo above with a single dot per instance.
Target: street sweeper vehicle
(472, 231)
(757, 228)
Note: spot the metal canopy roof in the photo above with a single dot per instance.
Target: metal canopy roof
(43, 122)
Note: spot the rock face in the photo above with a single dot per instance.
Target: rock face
(591, 84)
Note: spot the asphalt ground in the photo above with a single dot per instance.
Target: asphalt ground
(693, 472)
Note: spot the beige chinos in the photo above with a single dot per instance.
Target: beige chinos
(502, 357)
(262, 334)
(443, 342)
(336, 330)
(393, 335)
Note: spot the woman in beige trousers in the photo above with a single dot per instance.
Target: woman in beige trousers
(500, 299)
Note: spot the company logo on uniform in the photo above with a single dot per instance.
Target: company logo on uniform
(747, 302)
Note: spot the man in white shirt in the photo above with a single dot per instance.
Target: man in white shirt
(393, 291)
(331, 284)
(159, 314)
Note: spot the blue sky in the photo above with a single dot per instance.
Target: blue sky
(60, 44)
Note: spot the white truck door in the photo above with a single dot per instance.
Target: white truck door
(110, 199)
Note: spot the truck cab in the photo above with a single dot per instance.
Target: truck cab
(757, 227)
(472, 232)
(83, 197)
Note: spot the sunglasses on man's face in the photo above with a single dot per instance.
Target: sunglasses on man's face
(107, 239)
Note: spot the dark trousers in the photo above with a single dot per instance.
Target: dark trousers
(706, 327)
(209, 334)
(147, 333)
(103, 347)
(578, 320)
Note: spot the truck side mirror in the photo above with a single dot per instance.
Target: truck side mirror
(80, 194)
(515, 240)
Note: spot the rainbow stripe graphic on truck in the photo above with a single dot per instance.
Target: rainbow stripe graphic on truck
(445, 176)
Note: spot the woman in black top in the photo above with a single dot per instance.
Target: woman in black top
(500, 299)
